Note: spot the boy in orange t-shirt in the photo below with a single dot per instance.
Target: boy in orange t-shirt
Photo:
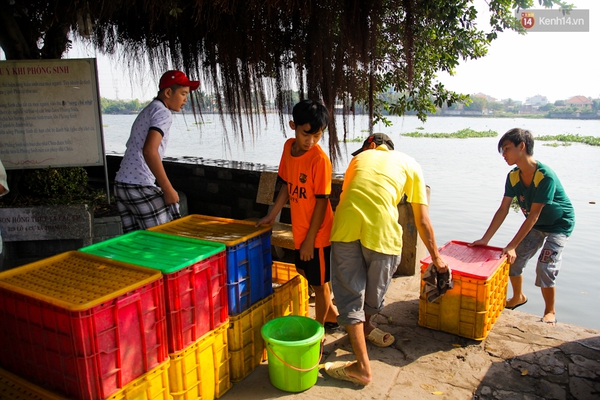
(306, 170)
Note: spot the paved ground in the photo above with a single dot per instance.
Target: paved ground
(521, 358)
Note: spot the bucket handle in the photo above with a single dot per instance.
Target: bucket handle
(269, 346)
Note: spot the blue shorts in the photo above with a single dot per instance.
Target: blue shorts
(550, 258)
(360, 279)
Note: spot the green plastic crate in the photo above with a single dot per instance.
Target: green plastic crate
(159, 251)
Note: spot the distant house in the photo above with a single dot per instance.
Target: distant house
(536, 101)
(580, 102)
(484, 96)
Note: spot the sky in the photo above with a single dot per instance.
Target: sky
(558, 65)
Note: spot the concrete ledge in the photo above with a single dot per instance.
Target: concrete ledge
(46, 223)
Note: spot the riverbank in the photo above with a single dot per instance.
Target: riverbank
(521, 358)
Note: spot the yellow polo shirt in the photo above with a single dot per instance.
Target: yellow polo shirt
(374, 184)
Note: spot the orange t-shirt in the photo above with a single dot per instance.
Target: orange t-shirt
(308, 177)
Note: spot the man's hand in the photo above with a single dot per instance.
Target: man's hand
(440, 264)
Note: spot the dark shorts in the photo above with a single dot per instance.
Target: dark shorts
(316, 271)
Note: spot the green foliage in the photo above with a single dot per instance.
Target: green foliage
(462, 134)
(557, 145)
(357, 139)
(547, 107)
(570, 138)
(55, 185)
(477, 104)
(120, 106)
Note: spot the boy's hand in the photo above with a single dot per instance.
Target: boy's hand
(265, 220)
(511, 254)
(479, 242)
(171, 196)
(307, 250)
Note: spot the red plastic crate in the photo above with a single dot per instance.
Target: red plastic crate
(82, 325)
(196, 301)
(194, 277)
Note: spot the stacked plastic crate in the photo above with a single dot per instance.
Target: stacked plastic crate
(291, 291)
(249, 282)
(85, 327)
(194, 276)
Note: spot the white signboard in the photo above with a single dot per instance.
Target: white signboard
(49, 114)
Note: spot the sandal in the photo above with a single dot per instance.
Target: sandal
(377, 337)
(337, 370)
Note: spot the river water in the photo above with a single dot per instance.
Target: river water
(466, 177)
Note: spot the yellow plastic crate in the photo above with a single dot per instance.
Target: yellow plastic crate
(13, 387)
(201, 371)
(283, 272)
(471, 308)
(228, 231)
(153, 385)
(291, 295)
(76, 281)
(246, 345)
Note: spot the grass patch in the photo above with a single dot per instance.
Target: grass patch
(557, 144)
(570, 138)
(462, 134)
(355, 140)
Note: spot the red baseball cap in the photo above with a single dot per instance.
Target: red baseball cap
(175, 77)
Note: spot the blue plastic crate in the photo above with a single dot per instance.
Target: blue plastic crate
(248, 254)
(249, 272)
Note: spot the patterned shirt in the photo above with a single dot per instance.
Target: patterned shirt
(133, 169)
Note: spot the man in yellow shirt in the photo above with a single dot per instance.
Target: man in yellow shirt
(366, 244)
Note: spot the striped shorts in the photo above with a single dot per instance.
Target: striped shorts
(143, 207)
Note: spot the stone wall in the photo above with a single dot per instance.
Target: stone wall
(210, 189)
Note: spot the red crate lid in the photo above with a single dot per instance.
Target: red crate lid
(476, 262)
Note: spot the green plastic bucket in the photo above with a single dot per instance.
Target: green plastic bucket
(294, 351)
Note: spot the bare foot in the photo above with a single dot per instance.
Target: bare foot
(354, 371)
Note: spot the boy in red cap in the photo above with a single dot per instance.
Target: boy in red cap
(144, 194)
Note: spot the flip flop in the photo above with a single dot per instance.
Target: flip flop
(551, 323)
(331, 325)
(377, 338)
(516, 306)
(337, 370)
